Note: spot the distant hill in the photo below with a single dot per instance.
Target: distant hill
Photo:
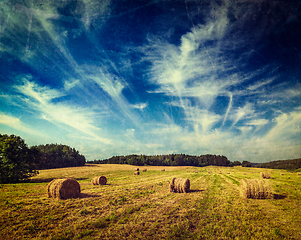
(282, 164)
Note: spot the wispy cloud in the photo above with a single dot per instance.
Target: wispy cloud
(198, 85)
(140, 106)
(41, 100)
(288, 127)
(242, 112)
(198, 72)
(17, 124)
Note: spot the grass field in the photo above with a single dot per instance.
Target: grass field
(142, 207)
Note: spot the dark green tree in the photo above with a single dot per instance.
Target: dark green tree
(58, 156)
(236, 163)
(246, 164)
(17, 161)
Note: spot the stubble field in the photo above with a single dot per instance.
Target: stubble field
(142, 206)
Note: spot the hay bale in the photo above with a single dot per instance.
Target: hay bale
(266, 175)
(137, 173)
(163, 170)
(179, 185)
(99, 180)
(63, 188)
(144, 170)
(255, 189)
(137, 169)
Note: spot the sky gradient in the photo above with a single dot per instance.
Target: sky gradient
(153, 77)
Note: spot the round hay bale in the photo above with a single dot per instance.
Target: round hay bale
(266, 175)
(163, 170)
(137, 169)
(244, 189)
(63, 188)
(255, 189)
(172, 184)
(99, 180)
(179, 185)
(137, 173)
(144, 170)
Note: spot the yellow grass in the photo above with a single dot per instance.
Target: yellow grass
(142, 207)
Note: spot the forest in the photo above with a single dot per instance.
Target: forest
(169, 160)
(58, 156)
(19, 162)
(292, 164)
(197, 161)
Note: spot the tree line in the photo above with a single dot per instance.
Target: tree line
(58, 156)
(169, 160)
(291, 164)
(19, 162)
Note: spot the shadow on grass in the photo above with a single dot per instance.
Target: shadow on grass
(39, 180)
(90, 165)
(43, 180)
(88, 195)
(81, 195)
(196, 190)
(279, 196)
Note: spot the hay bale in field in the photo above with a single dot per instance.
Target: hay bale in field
(282, 174)
(99, 180)
(255, 189)
(196, 171)
(137, 173)
(137, 169)
(163, 170)
(63, 188)
(144, 170)
(266, 175)
(179, 185)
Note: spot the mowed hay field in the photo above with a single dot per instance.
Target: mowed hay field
(142, 207)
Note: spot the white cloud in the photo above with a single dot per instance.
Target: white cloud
(259, 85)
(242, 113)
(257, 122)
(288, 127)
(41, 100)
(17, 124)
(107, 82)
(202, 120)
(140, 106)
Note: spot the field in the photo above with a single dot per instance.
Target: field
(142, 206)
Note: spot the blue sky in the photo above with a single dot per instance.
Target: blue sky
(153, 77)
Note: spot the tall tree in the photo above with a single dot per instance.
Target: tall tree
(246, 164)
(17, 161)
(58, 156)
